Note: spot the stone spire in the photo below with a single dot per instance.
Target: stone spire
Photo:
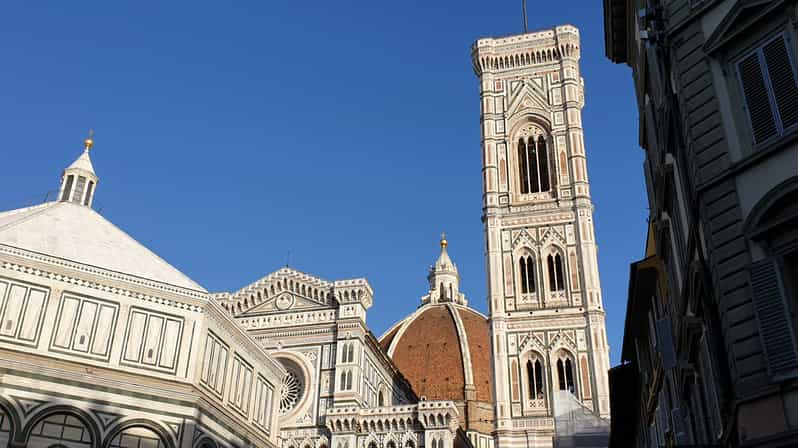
(444, 279)
(79, 182)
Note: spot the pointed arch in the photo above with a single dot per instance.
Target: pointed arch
(534, 372)
(566, 371)
(533, 160)
(526, 272)
(523, 169)
(543, 164)
(556, 271)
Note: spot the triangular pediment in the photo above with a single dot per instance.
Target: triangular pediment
(286, 301)
(281, 291)
(523, 238)
(528, 95)
(740, 17)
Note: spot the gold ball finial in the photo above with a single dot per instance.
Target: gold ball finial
(444, 243)
(88, 143)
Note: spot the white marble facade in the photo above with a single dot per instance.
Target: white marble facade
(103, 343)
(546, 313)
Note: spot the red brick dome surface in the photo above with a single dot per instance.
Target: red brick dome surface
(426, 347)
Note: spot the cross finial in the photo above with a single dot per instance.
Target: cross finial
(88, 143)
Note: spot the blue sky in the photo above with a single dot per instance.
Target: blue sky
(347, 132)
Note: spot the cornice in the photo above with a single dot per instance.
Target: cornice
(58, 264)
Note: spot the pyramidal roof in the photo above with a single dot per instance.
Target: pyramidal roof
(77, 233)
(82, 163)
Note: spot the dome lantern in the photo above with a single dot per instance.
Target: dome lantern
(79, 182)
(444, 279)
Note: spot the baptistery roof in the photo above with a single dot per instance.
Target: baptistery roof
(443, 349)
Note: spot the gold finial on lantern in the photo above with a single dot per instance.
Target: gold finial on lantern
(88, 143)
(444, 243)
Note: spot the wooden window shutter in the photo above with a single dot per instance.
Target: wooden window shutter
(775, 328)
(763, 121)
(665, 343)
(782, 80)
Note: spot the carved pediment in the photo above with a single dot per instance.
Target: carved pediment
(280, 291)
(523, 238)
(563, 339)
(282, 303)
(739, 18)
(529, 95)
(552, 236)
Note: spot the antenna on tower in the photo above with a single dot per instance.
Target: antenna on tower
(523, 8)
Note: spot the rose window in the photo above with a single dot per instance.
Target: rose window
(292, 387)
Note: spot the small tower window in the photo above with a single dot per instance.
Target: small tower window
(534, 371)
(565, 374)
(67, 188)
(89, 191)
(533, 165)
(80, 187)
(526, 265)
(556, 277)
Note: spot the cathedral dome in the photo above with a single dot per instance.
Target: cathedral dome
(443, 349)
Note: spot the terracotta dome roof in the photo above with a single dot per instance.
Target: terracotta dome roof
(442, 348)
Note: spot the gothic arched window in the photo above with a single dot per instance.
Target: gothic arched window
(533, 165)
(380, 399)
(556, 277)
(526, 267)
(565, 374)
(534, 371)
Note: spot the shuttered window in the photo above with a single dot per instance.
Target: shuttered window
(767, 77)
(774, 323)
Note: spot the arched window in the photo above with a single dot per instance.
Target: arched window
(89, 190)
(67, 188)
(390, 444)
(569, 375)
(543, 164)
(523, 169)
(343, 380)
(565, 374)
(526, 266)
(137, 436)
(443, 292)
(533, 165)
(556, 277)
(380, 399)
(534, 371)
(348, 380)
(351, 357)
(60, 429)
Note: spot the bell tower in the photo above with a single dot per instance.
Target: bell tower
(549, 348)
